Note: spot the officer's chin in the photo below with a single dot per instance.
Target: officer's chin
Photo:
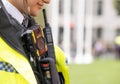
(34, 14)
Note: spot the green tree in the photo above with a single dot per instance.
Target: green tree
(117, 5)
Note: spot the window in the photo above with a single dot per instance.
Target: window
(72, 6)
(100, 7)
(60, 34)
(118, 31)
(99, 32)
(60, 6)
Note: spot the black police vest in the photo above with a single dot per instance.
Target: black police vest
(10, 31)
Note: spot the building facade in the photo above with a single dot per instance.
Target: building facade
(106, 22)
(78, 24)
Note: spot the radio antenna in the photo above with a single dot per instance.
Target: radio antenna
(45, 18)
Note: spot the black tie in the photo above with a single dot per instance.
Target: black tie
(25, 22)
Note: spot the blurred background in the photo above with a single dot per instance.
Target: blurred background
(88, 32)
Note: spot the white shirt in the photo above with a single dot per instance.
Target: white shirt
(13, 11)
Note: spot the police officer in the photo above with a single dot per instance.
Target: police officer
(117, 46)
(14, 65)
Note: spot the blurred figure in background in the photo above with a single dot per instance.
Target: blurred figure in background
(117, 46)
(99, 48)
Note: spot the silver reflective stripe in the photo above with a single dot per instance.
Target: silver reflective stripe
(7, 67)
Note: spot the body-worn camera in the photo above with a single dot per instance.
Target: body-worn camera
(34, 41)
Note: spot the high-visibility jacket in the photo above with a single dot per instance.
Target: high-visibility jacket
(15, 68)
(14, 65)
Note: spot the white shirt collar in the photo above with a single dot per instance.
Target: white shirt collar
(13, 11)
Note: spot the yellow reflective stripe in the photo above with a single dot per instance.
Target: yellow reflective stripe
(19, 62)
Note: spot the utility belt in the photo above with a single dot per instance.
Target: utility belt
(38, 45)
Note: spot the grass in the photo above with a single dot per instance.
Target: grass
(99, 72)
